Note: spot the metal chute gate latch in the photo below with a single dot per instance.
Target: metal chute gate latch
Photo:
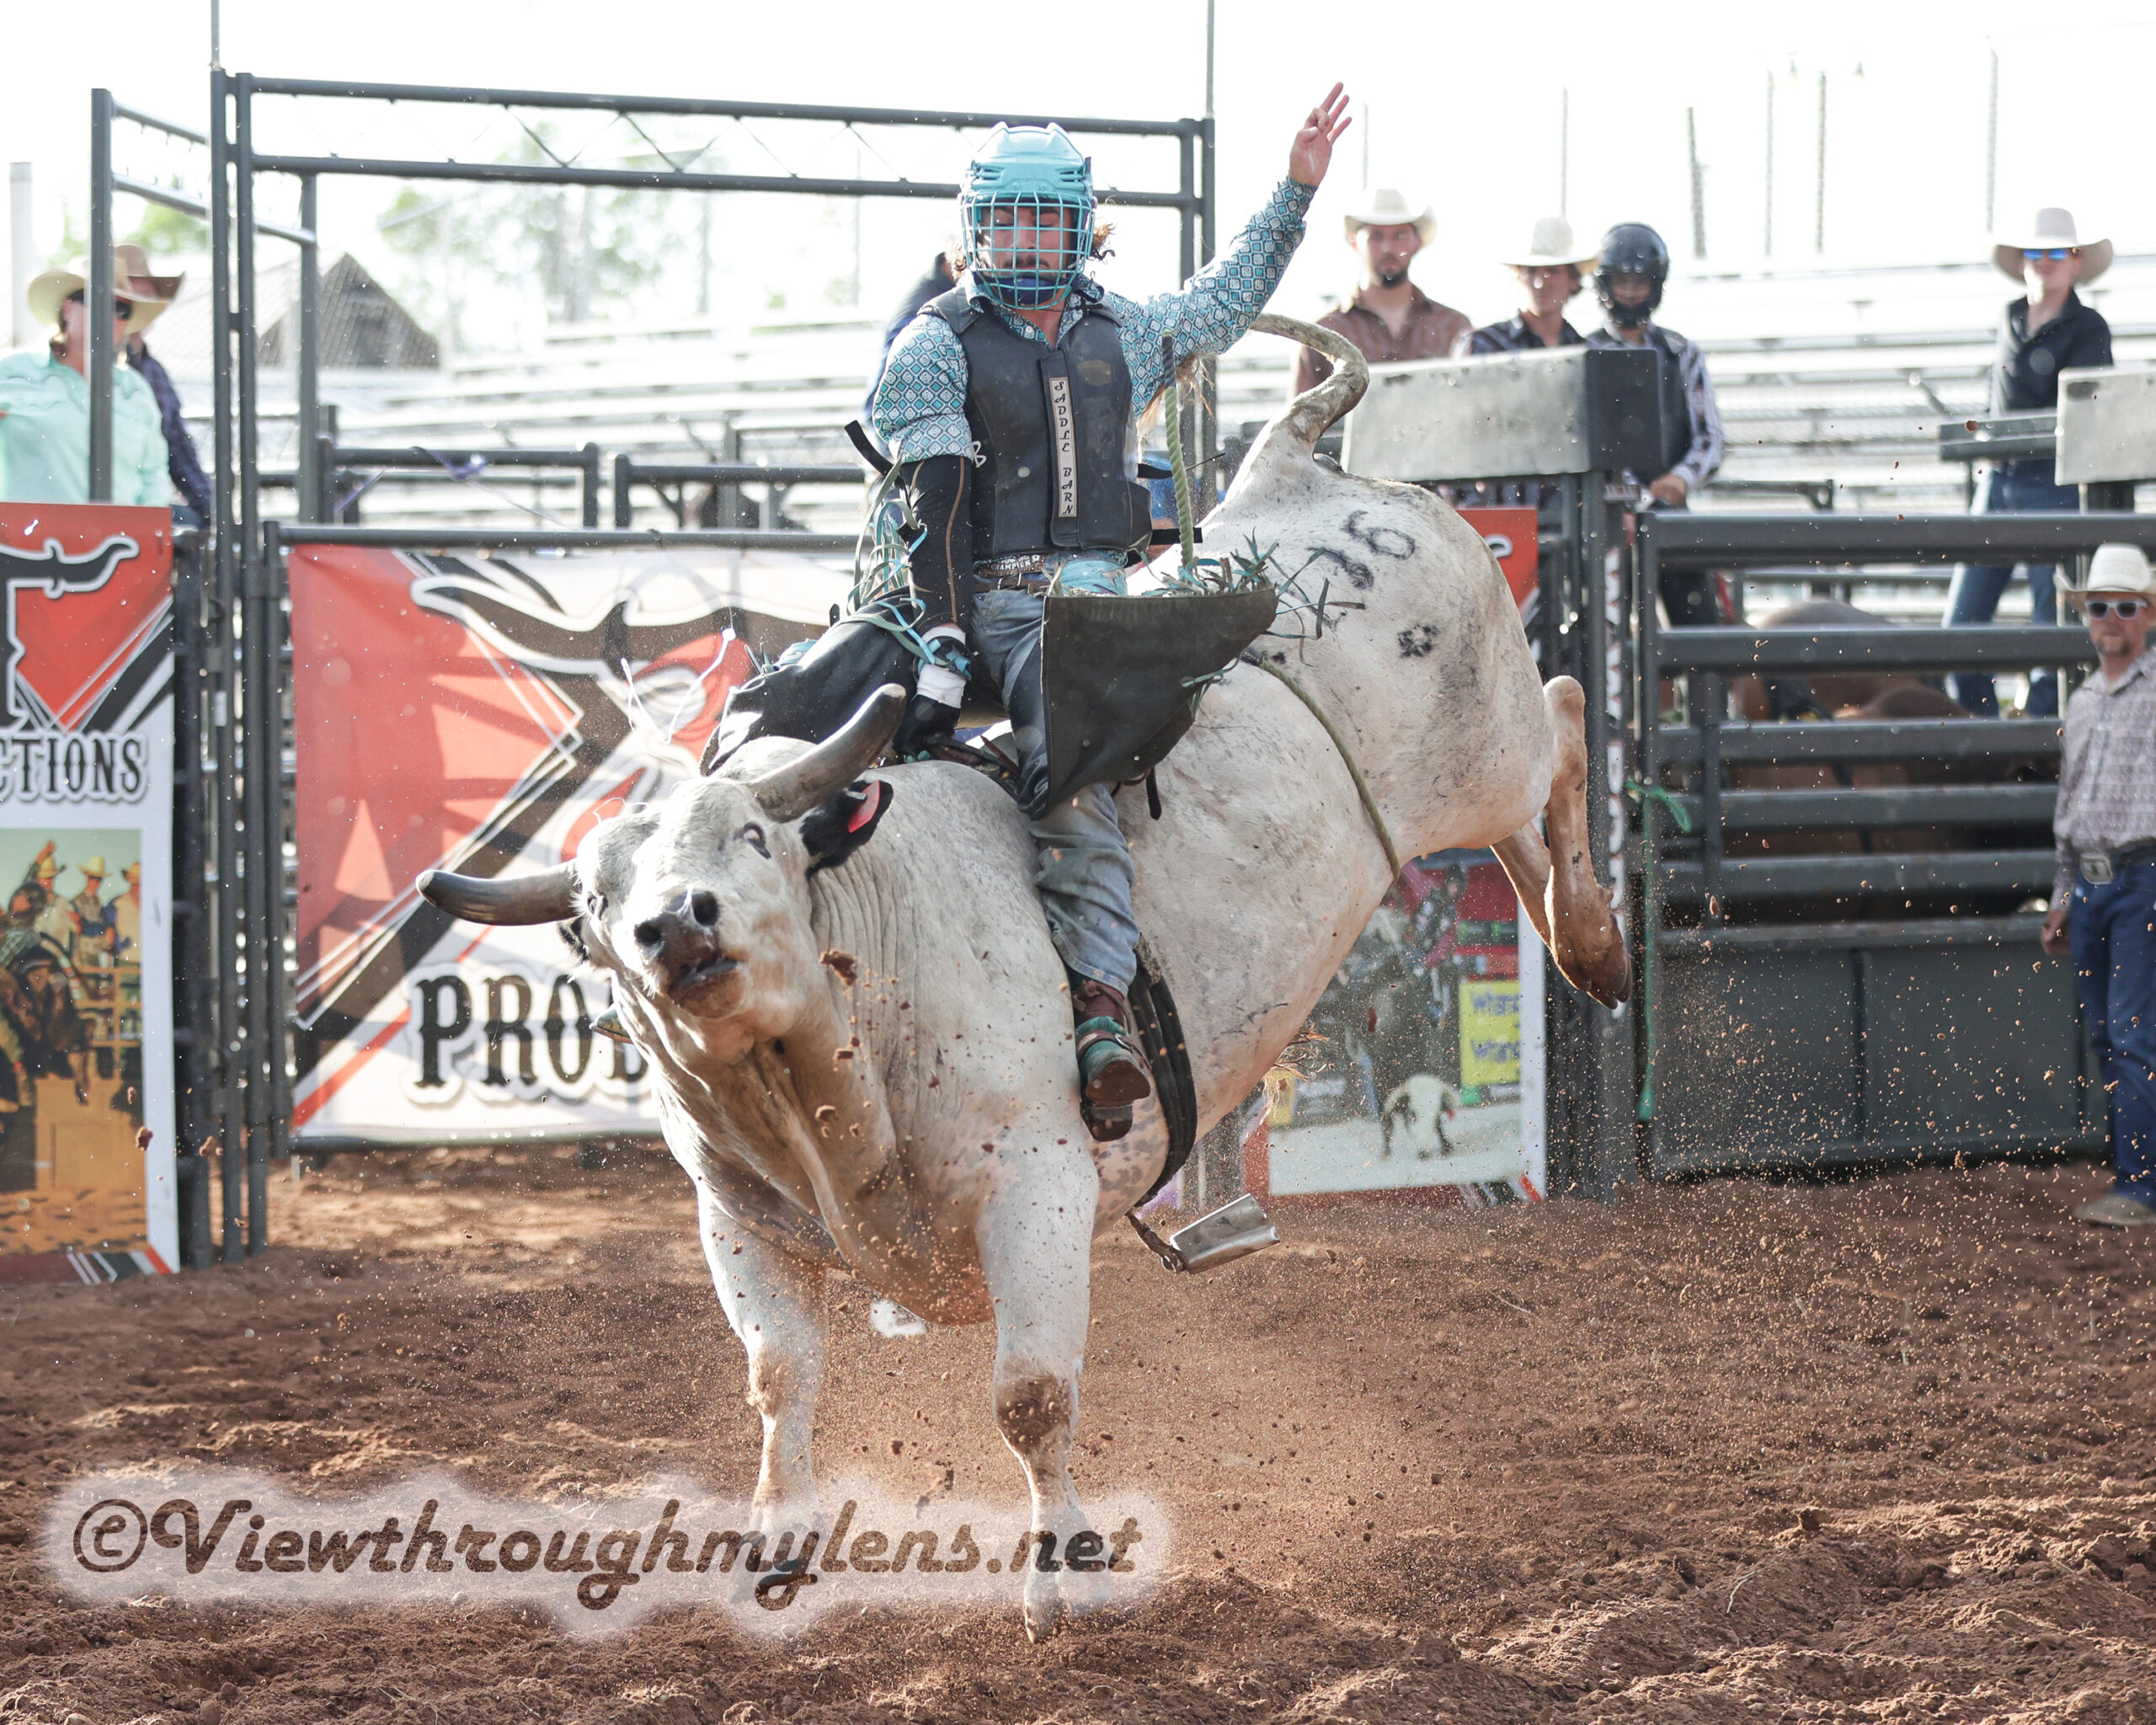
(1235, 1230)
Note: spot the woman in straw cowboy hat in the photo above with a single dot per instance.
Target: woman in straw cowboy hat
(2046, 330)
(1387, 316)
(1548, 266)
(45, 397)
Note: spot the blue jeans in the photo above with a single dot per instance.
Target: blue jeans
(1973, 597)
(2112, 929)
(1082, 867)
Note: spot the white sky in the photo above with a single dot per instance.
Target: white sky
(1461, 103)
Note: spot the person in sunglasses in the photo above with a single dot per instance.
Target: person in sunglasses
(45, 399)
(2046, 330)
(2103, 912)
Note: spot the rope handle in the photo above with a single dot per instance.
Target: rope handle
(1179, 458)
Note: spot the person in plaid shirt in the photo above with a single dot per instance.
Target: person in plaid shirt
(2103, 909)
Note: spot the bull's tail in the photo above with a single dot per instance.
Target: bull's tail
(1312, 413)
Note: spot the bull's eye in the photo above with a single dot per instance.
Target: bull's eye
(754, 835)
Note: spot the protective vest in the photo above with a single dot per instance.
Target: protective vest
(1052, 426)
(1676, 410)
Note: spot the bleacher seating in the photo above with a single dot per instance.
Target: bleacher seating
(1823, 375)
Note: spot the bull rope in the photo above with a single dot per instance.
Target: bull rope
(1346, 758)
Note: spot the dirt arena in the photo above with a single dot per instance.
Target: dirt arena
(1734, 1451)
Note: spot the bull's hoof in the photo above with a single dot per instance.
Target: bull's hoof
(1045, 1612)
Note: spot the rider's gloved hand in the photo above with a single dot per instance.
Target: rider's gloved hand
(933, 713)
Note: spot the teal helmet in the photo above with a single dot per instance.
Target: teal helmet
(1017, 182)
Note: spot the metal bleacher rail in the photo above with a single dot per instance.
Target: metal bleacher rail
(1849, 417)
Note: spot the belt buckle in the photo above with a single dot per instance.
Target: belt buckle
(2096, 867)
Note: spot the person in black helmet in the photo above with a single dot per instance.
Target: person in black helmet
(1630, 272)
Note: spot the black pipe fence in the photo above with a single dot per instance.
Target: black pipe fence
(320, 484)
(726, 479)
(1838, 964)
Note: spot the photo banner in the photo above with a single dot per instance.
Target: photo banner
(1426, 1072)
(482, 715)
(86, 1190)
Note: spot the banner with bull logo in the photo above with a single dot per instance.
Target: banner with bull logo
(86, 752)
(1423, 1069)
(482, 715)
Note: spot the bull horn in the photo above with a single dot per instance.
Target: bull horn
(793, 789)
(549, 896)
(1313, 412)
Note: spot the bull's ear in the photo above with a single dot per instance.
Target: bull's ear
(839, 825)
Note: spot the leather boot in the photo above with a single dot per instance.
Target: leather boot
(1112, 1071)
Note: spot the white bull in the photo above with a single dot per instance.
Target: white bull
(863, 1043)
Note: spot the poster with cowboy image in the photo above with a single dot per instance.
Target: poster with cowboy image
(1421, 1065)
(86, 746)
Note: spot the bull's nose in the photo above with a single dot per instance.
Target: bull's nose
(690, 915)
(681, 943)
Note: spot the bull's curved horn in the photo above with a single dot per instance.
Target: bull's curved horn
(793, 789)
(549, 896)
(1311, 414)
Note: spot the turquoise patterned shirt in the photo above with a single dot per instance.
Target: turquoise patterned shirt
(44, 438)
(920, 405)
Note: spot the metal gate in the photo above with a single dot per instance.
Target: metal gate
(1889, 998)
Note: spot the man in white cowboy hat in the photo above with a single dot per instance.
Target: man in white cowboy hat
(1387, 316)
(2045, 330)
(1548, 266)
(45, 397)
(2103, 909)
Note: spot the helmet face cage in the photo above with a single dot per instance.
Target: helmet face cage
(1027, 211)
(1632, 248)
(1026, 248)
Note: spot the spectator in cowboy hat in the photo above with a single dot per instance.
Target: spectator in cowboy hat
(45, 399)
(1548, 266)
(181, 461)
(2103, 909)
(1387, 316)
(2045, 330)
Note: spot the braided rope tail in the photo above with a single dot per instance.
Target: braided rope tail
(1178, 458)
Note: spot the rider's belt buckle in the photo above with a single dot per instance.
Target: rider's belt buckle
(2096, 867)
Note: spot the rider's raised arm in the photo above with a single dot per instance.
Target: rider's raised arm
(1214, 309)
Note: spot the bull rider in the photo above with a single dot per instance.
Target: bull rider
(1010, 405)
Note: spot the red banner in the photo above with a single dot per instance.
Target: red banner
(482, 715)
(86, 750)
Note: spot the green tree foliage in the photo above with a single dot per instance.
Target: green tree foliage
(164, 233)
(582, 246)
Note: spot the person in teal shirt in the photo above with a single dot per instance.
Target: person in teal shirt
(44, 405)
